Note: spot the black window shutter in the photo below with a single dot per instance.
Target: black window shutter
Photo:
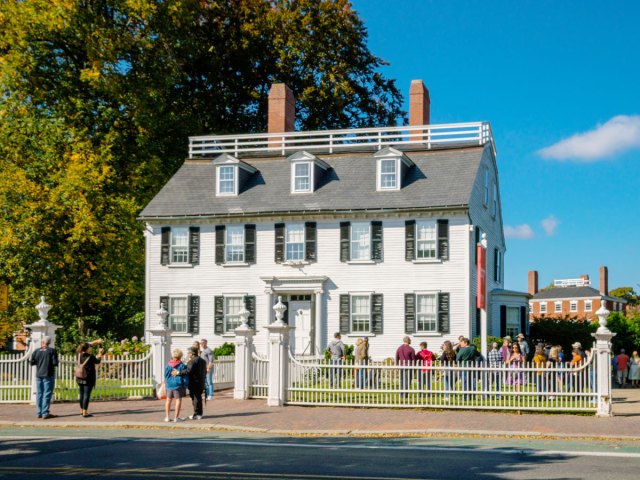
(345, 251)
(443, 239)
(376, 240)
(165, 301)
(220, 244)
(443, 313)
(194, 245)
(475, 245)
(478, 322)
(409, 313)
(344, 313)
(165, 245)
(496, 274)
(410, 240)
(503, 320)
(194, 314)
(377, 313)
(279, 251)
(310, 242)
(218, 315)
(250, 304)
(523, 320)
(250, 243)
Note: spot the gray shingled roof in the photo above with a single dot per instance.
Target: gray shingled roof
(572, 292)
(442, 178)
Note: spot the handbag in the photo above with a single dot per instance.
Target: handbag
(80, 370)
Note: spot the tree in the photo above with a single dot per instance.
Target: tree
(626, 293)
(98, 98)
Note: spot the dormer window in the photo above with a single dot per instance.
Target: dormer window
(391, 167)
(306, 172)
(231, 175)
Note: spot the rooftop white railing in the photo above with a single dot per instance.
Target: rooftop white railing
(332, 141)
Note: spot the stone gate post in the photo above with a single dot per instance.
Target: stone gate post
(278, 357)
(602, 350)
(160, 340)
(243, 363)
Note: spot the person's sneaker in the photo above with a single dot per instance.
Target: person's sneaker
(49, 415)
(197, 417)
(178, 419)
(167, 419)
(209, 398)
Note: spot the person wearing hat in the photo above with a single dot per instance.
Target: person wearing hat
(622, 364)
(524, 346)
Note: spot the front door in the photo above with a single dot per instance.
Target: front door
(300, 319)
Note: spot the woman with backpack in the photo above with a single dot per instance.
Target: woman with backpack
(176, 384)
(86, 374)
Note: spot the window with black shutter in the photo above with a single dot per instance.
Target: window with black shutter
(250, 243)
(475, 245)
(218, 312)
(376, 241)
(310, 247)
(250, 305)
(523, 321)
(279, 243)
(377, 313)
(478, 321)
(503, 320)
(443, 239)
(409, 313)
(165, 245)
(220, 233)
(345, 309)
(345, 251)
(194, 245)
(194, 314)
(410, 240)
(164, 301)
(443, 313)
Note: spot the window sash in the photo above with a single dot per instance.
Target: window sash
(226, 179)
(557, 307)
(234, 243)
(543, 307)
(573, 306)
(361, 241)
(294, 242)
(388, 174)
(588, 305)
(426, 239)
(513, 321)
(179, 245)
(232, 305)
(360, 313)
(426, 313)
(302, 177)
(178, 314)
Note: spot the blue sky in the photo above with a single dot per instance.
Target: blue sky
(560, 84)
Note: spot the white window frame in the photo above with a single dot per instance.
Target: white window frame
(379, 182)
(177, 327)
(227, 315)
(359, 241)
(513, 327)
(431, 224)
(485, 200)
(232, 249)
(352, 304)
(288, 228)
(588, 305)
(494, 205)
(418, 313)
(573, 306)
(234, 169)
(556, 305)
(543, 307)
(179, 249)
(309, 176)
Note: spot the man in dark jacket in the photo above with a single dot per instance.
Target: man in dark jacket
(468, 355)
(197, 372)
(405, 355)
(45, 360)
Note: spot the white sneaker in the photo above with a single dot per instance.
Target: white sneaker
(178, 419)
(195, 417)
(166, 419)
(209, 398)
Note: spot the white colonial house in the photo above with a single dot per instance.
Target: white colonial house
(369, 232)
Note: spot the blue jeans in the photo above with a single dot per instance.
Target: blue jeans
(335, 373)
(208, 383)
(44, 392)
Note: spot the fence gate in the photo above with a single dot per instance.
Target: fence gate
(259, 377)
(15, 377)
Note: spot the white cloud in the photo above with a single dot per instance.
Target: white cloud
(522, 232)
(549, 224)
(619, 134)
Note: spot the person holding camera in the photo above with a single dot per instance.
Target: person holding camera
(86, 374)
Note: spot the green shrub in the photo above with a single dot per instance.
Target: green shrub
(225, 349)
(562, 331)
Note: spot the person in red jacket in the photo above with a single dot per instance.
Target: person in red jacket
(405, 355)
(427, 357)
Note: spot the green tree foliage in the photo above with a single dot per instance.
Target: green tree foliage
(627, 330)
(562, 331)
(626, 293)
(97, 99)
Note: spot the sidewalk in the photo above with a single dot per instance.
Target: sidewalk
(224, 413)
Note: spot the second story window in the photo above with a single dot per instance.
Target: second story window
(180, 245)
(302, 177)
(389, 174)
(573, 306)
(361, 241)
(426, 239)
(234, 243)
(558, 307)
(294, 242)
(587, 305)
(226, 180)
(543, 307)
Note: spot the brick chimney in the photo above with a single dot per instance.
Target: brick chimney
(604, 280)
(419, 104)
(533, 282)
(282, 109)
(585, 277)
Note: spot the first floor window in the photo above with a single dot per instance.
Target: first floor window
(426, 239)
(234, 243)
(587, 305)
(295, 242)
(513, 321)
(232, 305)
(426, 313)
(558, 307)
(360, 241)
(178, 314)
(180, 245)
(543, 307)
(360, 313)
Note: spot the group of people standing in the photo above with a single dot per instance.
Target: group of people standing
(196, 377)
(627, 369)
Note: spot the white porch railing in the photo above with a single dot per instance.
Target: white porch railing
(259, 377)
(224, 371)
(425, 136)
(15, 377)
(463, 385)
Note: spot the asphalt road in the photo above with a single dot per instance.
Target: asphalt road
(51, 453)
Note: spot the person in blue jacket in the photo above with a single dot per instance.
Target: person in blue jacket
(176, 385)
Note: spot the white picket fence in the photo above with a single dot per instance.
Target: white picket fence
(467, 385)
(224, 371)
(259, 377)
(15, 377)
